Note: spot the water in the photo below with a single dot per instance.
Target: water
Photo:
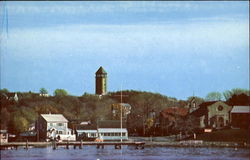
(127, 153)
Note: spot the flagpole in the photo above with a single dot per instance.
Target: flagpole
(121, 113)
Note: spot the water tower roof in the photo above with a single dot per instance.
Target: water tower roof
(101, 71)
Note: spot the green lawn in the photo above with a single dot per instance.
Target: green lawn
(227, 135)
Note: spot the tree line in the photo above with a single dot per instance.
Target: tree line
(17, 116)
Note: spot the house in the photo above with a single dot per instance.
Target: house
(44, 95)
(11, 96)
(240, 116)
(3, 136)
(192, 105)
(169, 116)
(112, 130)
(31, 136)
(86, 132)
(116, 110)
(51, 126)
(107, 130)
(213, 114)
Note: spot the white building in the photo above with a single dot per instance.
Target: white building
(109, 130)
(54, 126)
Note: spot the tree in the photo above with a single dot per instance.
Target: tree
(43, 91)
(227, 94)
(18, 123)
(4, 118)
(241, 99)
(60, 92)
(4, 90)
(213, 96)
(239, 91)
(186, 124)
(236, 91)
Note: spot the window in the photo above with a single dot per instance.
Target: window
(60, 132)
(220, 108)
(60, 124)
(117, 134)
(123, 134)
(105, 134)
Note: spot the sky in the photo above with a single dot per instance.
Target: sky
(177, 49)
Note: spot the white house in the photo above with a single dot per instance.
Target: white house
(54, 126)
(108, 130)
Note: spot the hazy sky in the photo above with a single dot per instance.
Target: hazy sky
(173, 48)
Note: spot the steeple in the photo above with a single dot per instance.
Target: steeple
(101, 81)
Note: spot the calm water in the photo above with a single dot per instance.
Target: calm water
(127, 152)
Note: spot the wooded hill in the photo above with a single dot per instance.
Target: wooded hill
(17, 116)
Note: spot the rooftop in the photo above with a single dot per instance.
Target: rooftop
(171, 112)
(111, 124)
(241, 109)
(54, 117)
(101, 71)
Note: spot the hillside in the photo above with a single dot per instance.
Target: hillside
(16, 116)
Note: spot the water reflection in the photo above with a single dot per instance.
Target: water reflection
(127, 152)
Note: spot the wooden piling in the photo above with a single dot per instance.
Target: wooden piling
(80, 146)
(118, 146)
(67, 145)
(27, 145)
(54, 144)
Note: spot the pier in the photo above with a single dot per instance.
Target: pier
(68, 145)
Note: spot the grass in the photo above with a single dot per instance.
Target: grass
(226, 135)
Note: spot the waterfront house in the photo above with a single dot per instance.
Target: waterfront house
(51, 126)
(31, 136)
(213, 114)
(107, 130)
(240, 116)
(86, 132)
(111, 130)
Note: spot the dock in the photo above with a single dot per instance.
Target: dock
(77, 144)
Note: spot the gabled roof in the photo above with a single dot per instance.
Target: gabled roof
(111, 124)
(203, 108)
(101, 71)
(205, 104)
(171, 112)
(54, 118)
(86, 127)
(240, 109)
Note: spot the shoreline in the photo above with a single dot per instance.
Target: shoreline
(202, 144)
(180, 144)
